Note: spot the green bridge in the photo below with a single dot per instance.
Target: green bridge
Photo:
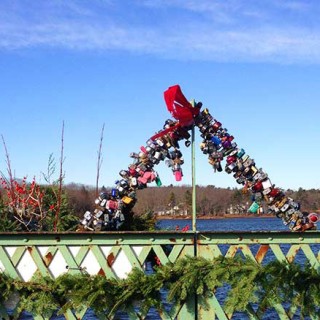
(115, 254)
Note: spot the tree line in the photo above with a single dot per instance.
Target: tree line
(210, 200)
(76, 199)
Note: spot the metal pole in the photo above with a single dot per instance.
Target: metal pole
(193, 164)
(194, 207)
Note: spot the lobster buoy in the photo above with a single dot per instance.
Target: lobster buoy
(313, 217)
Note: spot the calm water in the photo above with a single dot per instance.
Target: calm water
(231, 224)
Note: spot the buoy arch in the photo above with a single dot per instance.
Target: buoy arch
(218, 144)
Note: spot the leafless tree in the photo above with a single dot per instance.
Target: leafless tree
(99, 161)
(60, 181)
(9, 170)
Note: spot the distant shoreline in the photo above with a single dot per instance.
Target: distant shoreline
(226, 216)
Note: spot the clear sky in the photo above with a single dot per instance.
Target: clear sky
(254, 64)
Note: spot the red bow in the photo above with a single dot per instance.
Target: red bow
(179, 107)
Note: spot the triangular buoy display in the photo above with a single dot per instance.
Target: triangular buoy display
(217, 143)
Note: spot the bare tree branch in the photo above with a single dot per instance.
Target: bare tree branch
(51, 168)
(9, 170)
(61, 176)
(99, 161)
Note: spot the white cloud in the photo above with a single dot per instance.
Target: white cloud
(298, 6)
(77, 27)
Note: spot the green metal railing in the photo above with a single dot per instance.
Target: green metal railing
(115, 254)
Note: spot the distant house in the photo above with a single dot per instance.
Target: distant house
(236, 209)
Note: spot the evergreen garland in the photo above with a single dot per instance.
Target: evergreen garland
(249, 282)
(83, 290)
(37, 296)
(6, 287)
(293, 283)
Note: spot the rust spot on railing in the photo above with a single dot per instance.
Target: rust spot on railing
(110, 259)
(262, 252)
(48, 258)
(291, 257)
(101, 272)
(255, 240)
(172, 239)
(232, 251)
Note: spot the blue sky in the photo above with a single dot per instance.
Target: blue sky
(254, 64)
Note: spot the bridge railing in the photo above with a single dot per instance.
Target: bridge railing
(115, 254)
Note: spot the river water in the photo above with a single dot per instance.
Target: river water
(229, 224)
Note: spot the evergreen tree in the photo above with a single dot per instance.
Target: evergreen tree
(67, 220)
(172, 199)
